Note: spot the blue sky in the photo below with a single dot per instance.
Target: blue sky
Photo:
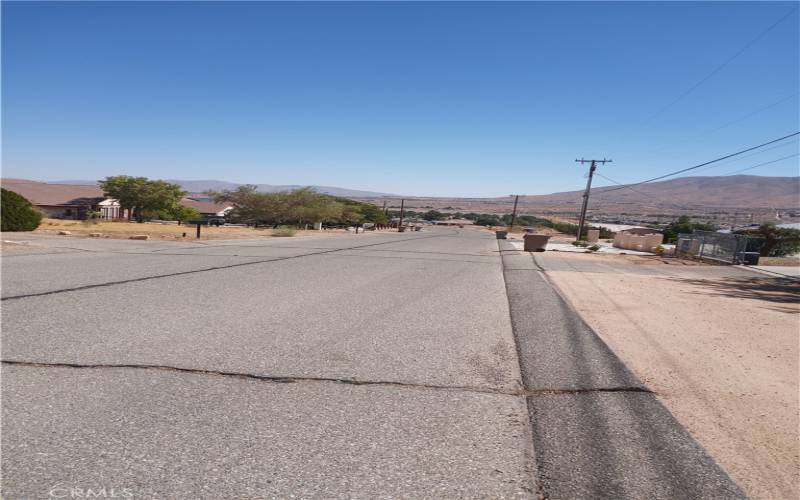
(459, 99)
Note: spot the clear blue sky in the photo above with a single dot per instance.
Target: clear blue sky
(462, 99)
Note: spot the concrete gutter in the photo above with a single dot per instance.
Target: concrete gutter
(598, 432)
(788, 272)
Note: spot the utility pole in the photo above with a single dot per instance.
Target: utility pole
(384, 207)
(592, 168)
(514, 213)
(402, 210)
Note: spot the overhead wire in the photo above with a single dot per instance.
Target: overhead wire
(708, 132)
(649, 195)
(756, 153)
(720, 67)
(628, 186)
(762, 164)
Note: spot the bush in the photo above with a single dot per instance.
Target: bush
(17, 213)
(284, 231)
(488, 220)
(685, 225)
(594, 248)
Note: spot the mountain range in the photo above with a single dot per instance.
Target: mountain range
(710, 191)
(685, 195)
(675, 195)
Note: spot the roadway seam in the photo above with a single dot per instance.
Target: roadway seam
(289, 379)
(206, 269)
(537, 479)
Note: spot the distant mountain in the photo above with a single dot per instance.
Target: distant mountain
(751, 191)
(728, 193)
(705, 196)
(214, 185)
(205, 185)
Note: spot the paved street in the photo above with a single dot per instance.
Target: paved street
(416, 365)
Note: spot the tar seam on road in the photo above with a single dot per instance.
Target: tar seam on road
(206, 269)
(676, 463)
(289, 379)
(537, 481)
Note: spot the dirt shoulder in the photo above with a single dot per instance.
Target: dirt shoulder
(719, 348)
(157, 231)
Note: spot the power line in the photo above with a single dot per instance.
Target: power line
(721, 66)
(762, 164)
(649, 195)
(729, 123)
(748, 115)
(750, 155)
(703, 164)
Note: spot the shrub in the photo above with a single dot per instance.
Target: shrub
(580, 243)
(17, 213)
(284, 231)
(594, 248)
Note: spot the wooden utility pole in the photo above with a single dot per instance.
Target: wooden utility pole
(592, 168)
(402, 211)
(514, 212)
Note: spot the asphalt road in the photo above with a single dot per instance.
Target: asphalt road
(363, 366)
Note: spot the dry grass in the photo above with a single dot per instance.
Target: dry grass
(123, 230)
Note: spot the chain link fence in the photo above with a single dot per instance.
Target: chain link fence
(722, 247)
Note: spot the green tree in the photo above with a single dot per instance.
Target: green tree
(18, 214)
(298, 206)
(433, 215)
(369, 212)
(139, 194)
(683, 225)
(248, 204)
(161, 195)
(488, 220)
(352, 215)
(125, 189)
(177, 212)
(778, 241)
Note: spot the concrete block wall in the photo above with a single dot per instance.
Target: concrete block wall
(641, 243)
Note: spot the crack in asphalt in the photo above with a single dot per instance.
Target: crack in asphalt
(290, 379)
(206, 269)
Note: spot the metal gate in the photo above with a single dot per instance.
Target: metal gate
(723, 247)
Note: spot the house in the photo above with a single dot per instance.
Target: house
(65, 201)
(206, 207)
(75, 201)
